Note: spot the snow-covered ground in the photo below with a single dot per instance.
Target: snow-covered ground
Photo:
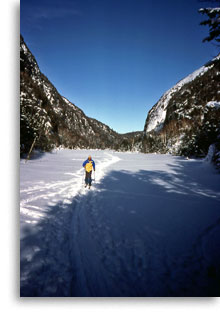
(149, 226)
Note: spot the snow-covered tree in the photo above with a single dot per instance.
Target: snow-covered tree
(213, 22)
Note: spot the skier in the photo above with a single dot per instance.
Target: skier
(89, 164)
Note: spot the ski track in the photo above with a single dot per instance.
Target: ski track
(84, 255)
(58, 230)
(65, 190)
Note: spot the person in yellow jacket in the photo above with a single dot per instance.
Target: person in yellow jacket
(89, 165)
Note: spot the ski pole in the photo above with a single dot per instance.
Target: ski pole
(83, 177)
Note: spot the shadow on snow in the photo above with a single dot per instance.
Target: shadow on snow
(149, 233)
(35, 155)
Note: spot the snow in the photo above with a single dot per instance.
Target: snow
(150, 226)
(70, 103)
(213, 104)
(23, 46)
(158, 113)
(210, 154)
(211, 10)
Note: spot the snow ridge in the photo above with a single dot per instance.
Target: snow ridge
(157, 114)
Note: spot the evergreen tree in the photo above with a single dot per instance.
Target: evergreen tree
(213, 22)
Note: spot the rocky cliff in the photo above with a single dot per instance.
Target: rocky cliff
(186, 119)
(51, 119)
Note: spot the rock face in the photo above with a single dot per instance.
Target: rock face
(186, 119)
(52, 119)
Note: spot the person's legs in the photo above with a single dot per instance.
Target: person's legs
(87, 178)
(90, 178)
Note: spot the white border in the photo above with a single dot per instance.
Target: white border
(11, 303)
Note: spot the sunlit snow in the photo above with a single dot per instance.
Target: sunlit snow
(157, 114)
(149, 226)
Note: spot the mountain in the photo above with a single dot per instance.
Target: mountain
(186, 119)
(52, 120)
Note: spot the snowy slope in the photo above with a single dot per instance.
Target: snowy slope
(150, 226)
(185, 121)
(157, 115)
(53, 119)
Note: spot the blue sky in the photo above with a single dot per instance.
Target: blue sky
(115, 58)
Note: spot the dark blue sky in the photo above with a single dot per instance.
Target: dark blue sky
(115, 58)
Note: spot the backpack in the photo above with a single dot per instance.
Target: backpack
(89, 166)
